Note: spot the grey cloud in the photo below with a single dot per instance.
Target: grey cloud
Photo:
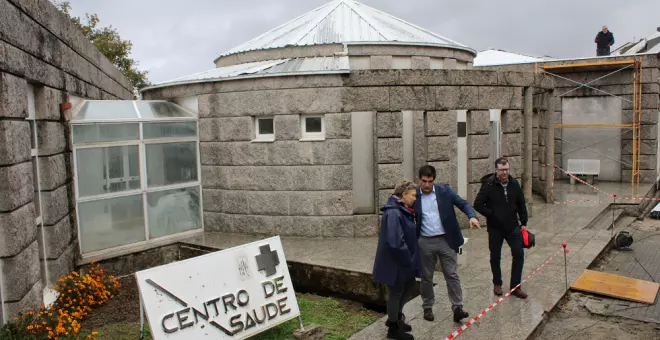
(177, 38)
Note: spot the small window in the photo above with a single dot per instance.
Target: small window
(265, 129)
(312, 127)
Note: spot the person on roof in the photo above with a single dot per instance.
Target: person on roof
(398, 260)
(604, 40)
(502, 202)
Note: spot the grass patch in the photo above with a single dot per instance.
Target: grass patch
(339, 318)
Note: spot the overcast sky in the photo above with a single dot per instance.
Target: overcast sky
(177, 38)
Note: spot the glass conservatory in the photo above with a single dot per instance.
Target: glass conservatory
(137, 173)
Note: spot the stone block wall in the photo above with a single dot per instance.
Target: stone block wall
(285, 187)
(302, 188)
(43, 61)
(539, 142)
(618, 84)
(389, 150)
(621, 84)
(441, 148)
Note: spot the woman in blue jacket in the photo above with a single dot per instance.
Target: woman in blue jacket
(398, 260)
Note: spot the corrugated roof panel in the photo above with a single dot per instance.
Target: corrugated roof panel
(342, 21)
(310, 64)
(499, 57)
(227, 71)
(294, 65)
(649, 44)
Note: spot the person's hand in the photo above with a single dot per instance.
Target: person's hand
(524, 227)
(474, 223)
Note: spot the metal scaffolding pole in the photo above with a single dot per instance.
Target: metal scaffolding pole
(634, 63)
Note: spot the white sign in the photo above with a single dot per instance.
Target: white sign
(230, 294)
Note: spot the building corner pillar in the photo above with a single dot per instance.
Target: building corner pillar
(550, 149)
(527, 149)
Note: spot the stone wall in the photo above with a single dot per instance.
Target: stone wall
(539, 143)
(361, 56)
(618, 84)
(43, 61)
(621, 84)
(390, 153)
(293, 187)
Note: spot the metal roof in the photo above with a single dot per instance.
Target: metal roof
(650, 44)
(290, 66)
(343, 21)
(500, 57)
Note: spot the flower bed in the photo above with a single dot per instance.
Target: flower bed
(78, 296)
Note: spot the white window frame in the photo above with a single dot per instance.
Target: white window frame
(144, 190)
(2, 301)
(495, 133)
(34, 153)
(263, 137)
(311, 136)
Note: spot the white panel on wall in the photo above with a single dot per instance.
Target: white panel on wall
(359, 63)
(461, 154)
(190, 103)
(401, 63)
(604, 143)
(437, 63)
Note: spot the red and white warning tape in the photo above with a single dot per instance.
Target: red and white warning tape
(483, 312)
(601, 190)
(577, 201)
(581, 181)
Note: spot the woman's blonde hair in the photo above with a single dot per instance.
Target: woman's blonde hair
(403, 186)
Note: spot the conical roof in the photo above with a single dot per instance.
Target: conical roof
(343, 21)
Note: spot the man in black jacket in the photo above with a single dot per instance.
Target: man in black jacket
(502, 202)
(604, 39)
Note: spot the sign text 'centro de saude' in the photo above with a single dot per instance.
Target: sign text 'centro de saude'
(230, 294)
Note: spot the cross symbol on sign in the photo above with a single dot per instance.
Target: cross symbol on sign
(267, 260)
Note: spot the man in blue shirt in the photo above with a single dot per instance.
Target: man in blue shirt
(440, 237)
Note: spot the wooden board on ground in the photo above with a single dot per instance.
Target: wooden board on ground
(616, 286)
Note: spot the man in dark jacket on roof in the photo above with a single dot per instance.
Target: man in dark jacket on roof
(604, 40)
(502, 202)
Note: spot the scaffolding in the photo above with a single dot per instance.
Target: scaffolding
(636, 64)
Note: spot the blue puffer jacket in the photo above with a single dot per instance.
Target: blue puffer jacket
(398, 256)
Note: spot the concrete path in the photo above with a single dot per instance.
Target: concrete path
(641, 262)
(513, 318)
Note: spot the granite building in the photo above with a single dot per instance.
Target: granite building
(45, 65)
(305, 129)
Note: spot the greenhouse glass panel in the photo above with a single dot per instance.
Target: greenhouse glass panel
(158, 109)
(173, 211)
(170, 130)
(107, 170)
(171, 163)
(110, 109)
(105, 133)
(111, 222)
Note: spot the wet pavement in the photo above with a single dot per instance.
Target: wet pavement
(641, 261)
(514, 318)
(569, 219)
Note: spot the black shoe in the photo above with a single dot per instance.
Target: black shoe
(428, 314)
(395, 332)
(402, 323)
(519, 293)
(459, 314)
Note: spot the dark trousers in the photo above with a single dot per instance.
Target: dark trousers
(602, 51)
(397, 298)
(514, 239)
